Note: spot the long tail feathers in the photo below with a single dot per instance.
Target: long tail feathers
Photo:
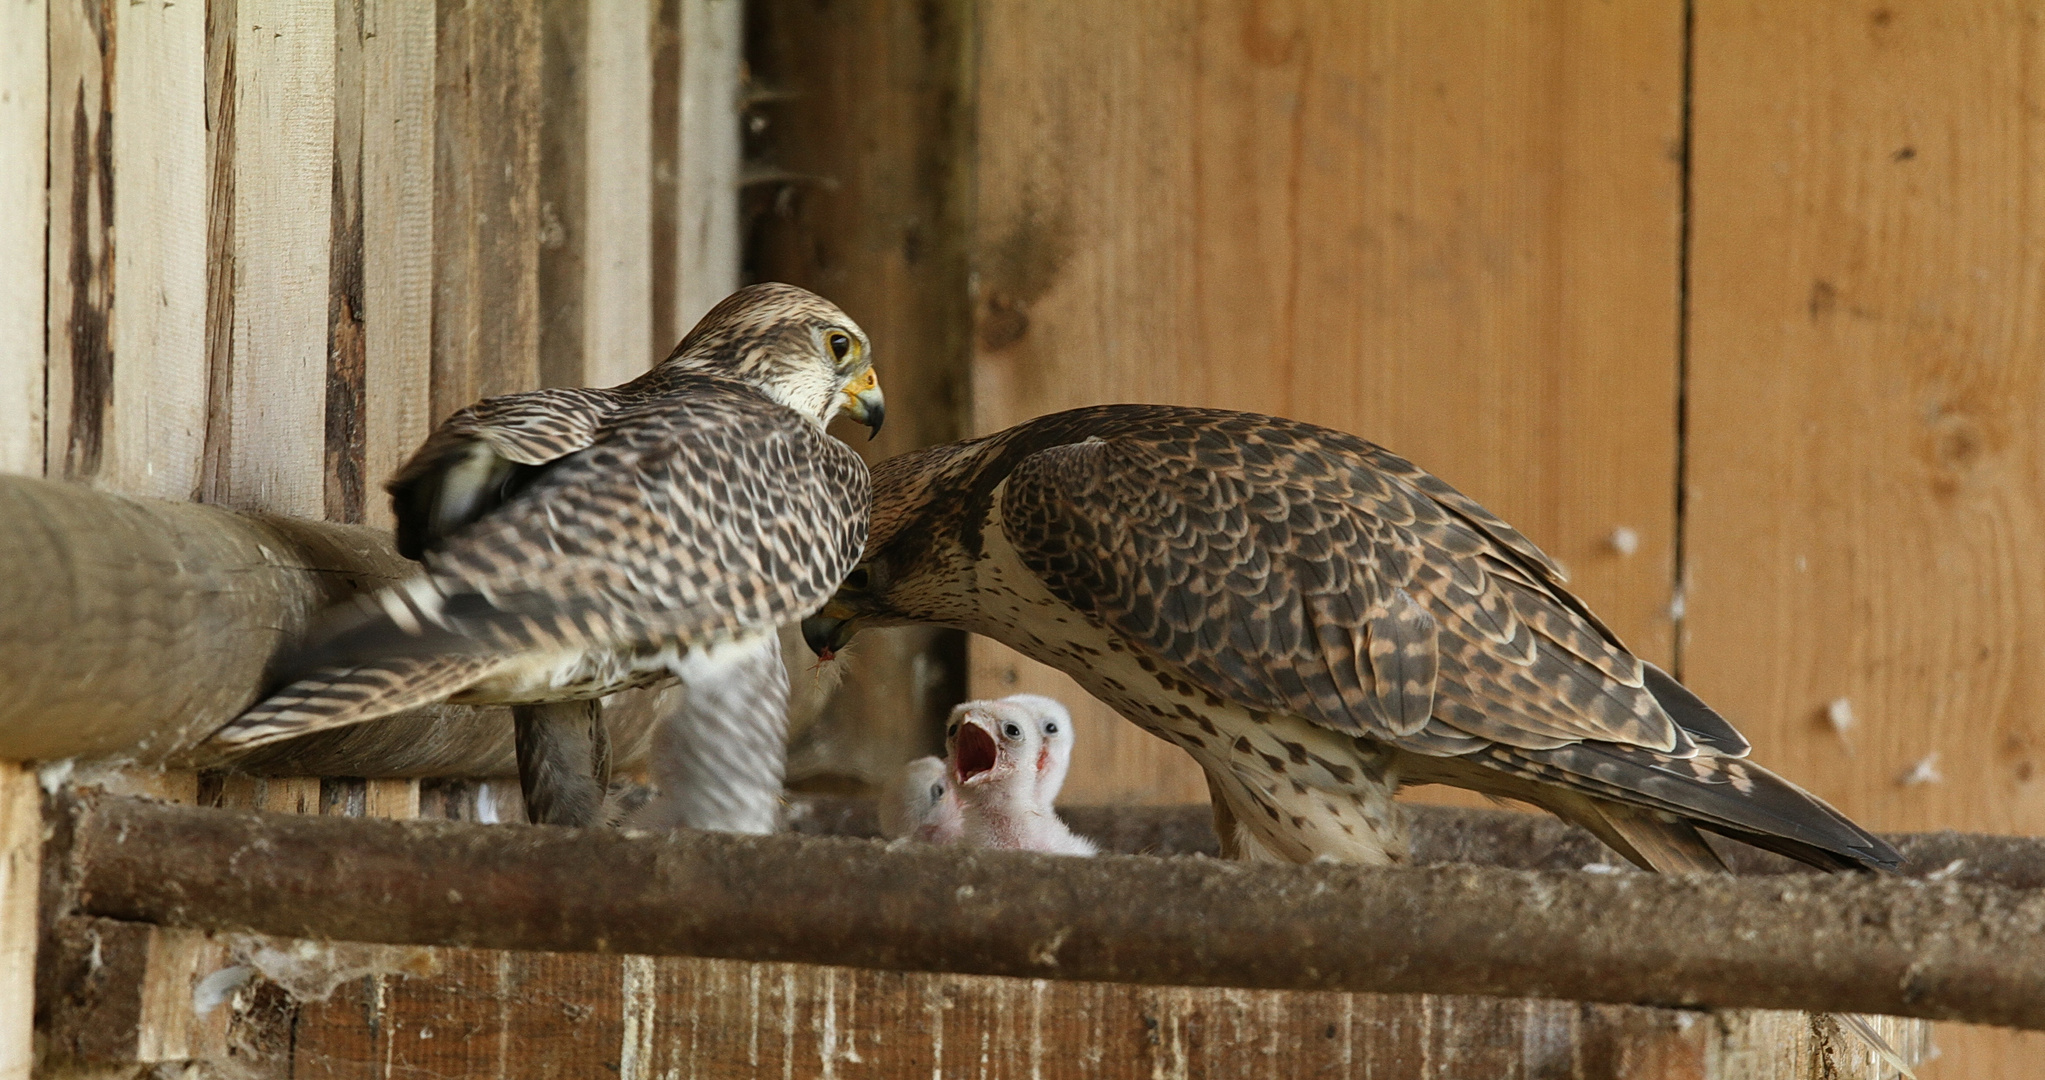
(339, 696)
(1653, 843)
(1676, 847)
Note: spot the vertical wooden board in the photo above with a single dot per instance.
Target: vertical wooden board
(345, 435)
(155, 409)
(1865, 493)
(486, 217)
(80, 282)
(707, 167)
(24, 210)
(397, 56)
(21, 846)
(1864, 518)
(564, 180)
(858, 138)
(283, 219)
(460, 1012)
(1452, 230)
(617, 262)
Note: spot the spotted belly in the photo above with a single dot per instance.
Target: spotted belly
(1294, 791)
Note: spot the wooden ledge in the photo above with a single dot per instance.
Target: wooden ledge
(1948, 949)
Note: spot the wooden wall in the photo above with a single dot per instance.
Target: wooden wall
(1759, 284)
(1755, 284)
(256, 248)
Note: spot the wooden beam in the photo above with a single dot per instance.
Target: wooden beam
(135, 627)
(1943, 950)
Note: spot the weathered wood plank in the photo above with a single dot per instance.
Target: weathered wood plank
(397, 56)
(21, 845)
(1864, 509)
(563, 200)
(617, 285)
(707, 164)
(80, 282)
(24, 220)
(155, 411)
(284, 216)
(1451, 229)
(643, 1017)
(346, 489)
(138, 427)
(486, 219)
(859, 188)
(1935, 949)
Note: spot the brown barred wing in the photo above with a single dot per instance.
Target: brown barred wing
(1279, 565)
(484, 454)
(688, 521)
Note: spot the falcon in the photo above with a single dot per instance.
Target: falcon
(1317, 622)
(577, 542)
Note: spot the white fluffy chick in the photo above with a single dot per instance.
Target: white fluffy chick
(921, 806)
(1055, 721)
(999, 759)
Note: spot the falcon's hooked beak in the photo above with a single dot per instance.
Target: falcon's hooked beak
(829, 630)
(863, 402)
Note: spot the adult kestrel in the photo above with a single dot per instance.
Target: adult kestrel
(1318, 622)
(578, 542)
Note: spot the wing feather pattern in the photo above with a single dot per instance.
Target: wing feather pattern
(701, 516)
(1300, 574)
(1291, 568)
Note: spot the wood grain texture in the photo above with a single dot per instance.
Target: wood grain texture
(80, 282)
(859, 187)
(24, 209)
(156, 410)
(1452, 230)
(284, 191)
(486, 223)
(1864, 515)
(21, 845)
(707, 165)
(139, 427)
(617, 259)
(345, 485)
(397, 57)
(563, 191)
(486, 1014)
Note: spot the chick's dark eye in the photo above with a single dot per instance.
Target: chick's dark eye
(936, 792)
(1051, 728)
(858, 579)
(951, 731)
(1012, 731)
(841, 343)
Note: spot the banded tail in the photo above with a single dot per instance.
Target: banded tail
(334, 697)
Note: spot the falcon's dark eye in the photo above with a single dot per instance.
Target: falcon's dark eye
(1050, 727)
(858, 578)
(840, 342)
(1012, 730)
